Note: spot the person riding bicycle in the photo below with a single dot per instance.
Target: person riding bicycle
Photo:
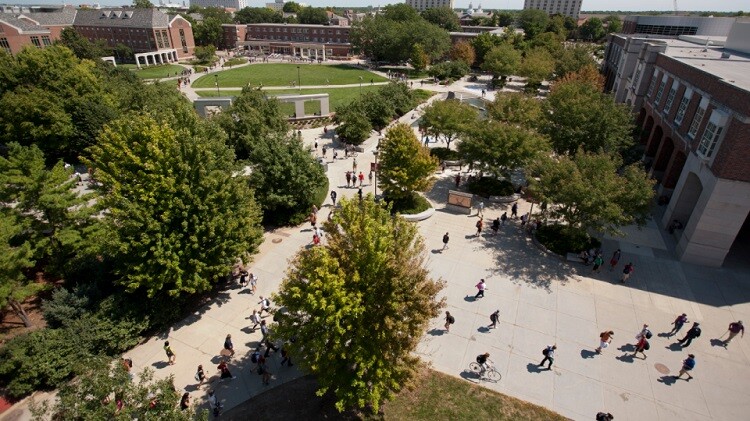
(482, 360)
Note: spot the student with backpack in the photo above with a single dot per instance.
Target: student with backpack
(449, 320)
(688, 364)
(549, 355)
(642, 346)
(265, 305)
(479, 226)
(693, 333)
(626, 272)
(604, 340)
(229, 346)
(494, 317)
(200, 375)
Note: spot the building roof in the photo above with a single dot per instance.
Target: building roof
(66, 16)
(729, 66)
(127, 18)
(23, 25)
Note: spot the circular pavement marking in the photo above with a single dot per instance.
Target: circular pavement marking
(276, 240)
(661, 368)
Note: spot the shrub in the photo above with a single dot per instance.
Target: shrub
(319, 196)
(199, 69)
(235, 61)
(562, 239)
(63, 307)
(490, 186)
(408, 205)
(445, 154)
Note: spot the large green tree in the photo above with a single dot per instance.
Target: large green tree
(502, 61)
(499, 147)
(405, 165)
(443, 17)
(419, 59)
(391, 39)
(533, 22)
(15, 257)
(359, 306)
(592, 29)
(572, 59)
(177, 213)
(354, 126)
(537, 66)
(291, 7)
(313, 16)
(447, 119)
(483, 43)
(81, 46)
(258, 15)
(516, 109)
(463, 51)
(577, 114)
(592, 192)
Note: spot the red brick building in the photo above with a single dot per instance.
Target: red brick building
(16, 33)
(310, 41)
(691, 95)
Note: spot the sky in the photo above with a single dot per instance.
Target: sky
(625, 5)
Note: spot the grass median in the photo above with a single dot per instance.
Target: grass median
(283, 75)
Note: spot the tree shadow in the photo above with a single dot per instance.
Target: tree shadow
(533, 368)
(160, 364)
(718, 342)
(436, 332)
(667, 380)
(585, 353)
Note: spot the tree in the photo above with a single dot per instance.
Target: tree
(443, 17)
(401, 12)
(578, 115)
(285, 177)
(448, 119)
(359, 306)
(463, 51)
(123, 52)
(312, 16)
(15, 257)
(205, 54)
(178, 216)
(291, 7)
(380, 111)
(405, 165)
(80, 45)
(504, 19)
(249, 119)
(419, 59)
(384, 39)
(500, 147)
(208, 32)
(587, 74)
(590, 191)
(502, 61)
(143, 4)
(399, 96)
(258, 15)
(592, 29)
(614, 23)
(556, 26)
(354, 126)
(483, 43)
(537, 66)
(95, 393)
(533, 22)
(516, 109)
(449, 70)
(573, 59)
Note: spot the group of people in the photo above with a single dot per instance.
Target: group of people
(594, 256)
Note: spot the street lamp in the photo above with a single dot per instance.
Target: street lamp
(360, 92)
(299, 81)
(216, 80)
(376, 153)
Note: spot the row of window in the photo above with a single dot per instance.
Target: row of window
(298, 38)
(714, 126)
(298, 30)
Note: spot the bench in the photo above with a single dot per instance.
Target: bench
(449, 163)
(505, 199)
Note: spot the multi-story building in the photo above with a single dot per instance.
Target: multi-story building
(15, 34)
(310, 41)
(691, 95)
(570, 8)
(422, 5)
(673, 26)
(225, 4)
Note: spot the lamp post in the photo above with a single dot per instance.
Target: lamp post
(360, 93)
(216, 80)
(376, 153)
(299, 81)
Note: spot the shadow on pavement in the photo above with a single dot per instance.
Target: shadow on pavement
(585, 353)
(483, 329)
(436, 332)
(533, 368)
(626, 358)
(718, 342)
(667, 380)
(470, 376)
(676, 347)
(160, 364)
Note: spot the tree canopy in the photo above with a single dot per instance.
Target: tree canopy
(258, 15)
(405, 165)
(499, 147)
(358, 307)
(389, 37)
(502, 61)
(483, 43)
(537, 66)
(463, 51)
(447, 119)
(312, 15)
(443, 17)
(516, 109)
(592, 29)
(533, 22)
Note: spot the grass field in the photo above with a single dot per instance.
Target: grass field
(336, 96)
(284, 74)
(154, 72)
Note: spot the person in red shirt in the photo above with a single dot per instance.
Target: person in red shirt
(734, 329)
(642, 346)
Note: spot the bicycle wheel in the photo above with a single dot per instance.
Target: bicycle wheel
(493, 375)
(474, 367)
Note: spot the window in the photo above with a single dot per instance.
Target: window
(5, 45)
(660, 92)
(46, 41)
(710, 138)
(683, 106)
(651, 87)
(670, 98)
(636, 77)
(35, 41)
(697, 119)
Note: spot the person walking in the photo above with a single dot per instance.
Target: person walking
(688, 364)
(598, 262)
(361, 177)
(446, 238)
(265, 305)
(481, 287)
(348, 178)
(627, 271)
(479, 226)
(693, 333)
(224, 369)
(494, 317)
(642, 346)
(605, 338)
(255, 319)
(480, 209)
(734, 329)
(333, 197)
(678, 323)
(170, 354)
(263, 370)
(495, 226)
(354, 165)
(369, 178)
(549, 355)
(614, 260)
(504, 218)
(229, 346)
(285, 358)
(359, 193)
(514, 211)
(200, 375)
(269, 346)
(449, 320)
(263, 330)
(644, 332)
(253, 283)
(214, 403)
(458, 179)
(185, 401)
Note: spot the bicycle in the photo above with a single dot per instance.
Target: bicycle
(490, 374)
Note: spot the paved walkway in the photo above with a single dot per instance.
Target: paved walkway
(541, 301)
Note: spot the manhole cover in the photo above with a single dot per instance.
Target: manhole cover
(661, 368)
(276, 240)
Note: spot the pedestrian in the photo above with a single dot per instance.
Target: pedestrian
(229, 346)
(335, 154)
(678, 323)
(263, 370)
(255, 319)
(314, 209)
(644, 333)
(361, 178)
(170, 354)
(225, 373)
(514, 211)
(604, 416)
(316, 239)
(348, 178)
(214, 403)
(316, 144)
(265, 305)
(285, 358)
(243, 278)
(504, 218)
(479, 226)
(688, 364)
(524, 219)
(605, 338)
(313, 219)
(693, 333)
(369, 178)
(354, 165)
(333, 197)
(446, 238)
(642, 346)
(319, 232)
(549, 355)
(200, 375)
(614, 260)
(734, 329)
(598, 262)
(449, 320)
(253, 283)
(324, 150)
(269, 346)
(263, 330)
(494, 317)
(359, 193)
(480, 209)
(458, 179)
(481, 287)
(495, 226)
(627, 271)
(185, 401)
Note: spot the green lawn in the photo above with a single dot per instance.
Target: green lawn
(284, 74)
(154, 72)
(336, 96)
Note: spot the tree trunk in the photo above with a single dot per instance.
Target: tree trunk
(20, 312)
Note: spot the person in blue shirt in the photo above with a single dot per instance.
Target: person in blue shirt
(687, 366)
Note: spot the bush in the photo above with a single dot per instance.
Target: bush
(235, 61)
(408, 205)
(319, 196)
(445, 154)
(63, 307)
(449, 69)
(563, 239)
(199, 69)
(489, 186)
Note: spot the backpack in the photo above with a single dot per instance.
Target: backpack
(601, 335)
(451, 320)
(545, 351)
(697, 332)
(255, 356)
(494, 317)
(647, 345)
(266, 302)
(648, 334)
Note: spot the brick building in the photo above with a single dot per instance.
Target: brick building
(17, 33)
(691, 95)
(310, 41)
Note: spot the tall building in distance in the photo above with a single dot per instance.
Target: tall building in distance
(570, 8)
(226, 4)
(421, 5)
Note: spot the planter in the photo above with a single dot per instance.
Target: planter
(505, 199)
(421, 216)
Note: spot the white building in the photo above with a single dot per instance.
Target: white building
(570, 8)
(277, 5)
(226, 4)
(421, 5)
